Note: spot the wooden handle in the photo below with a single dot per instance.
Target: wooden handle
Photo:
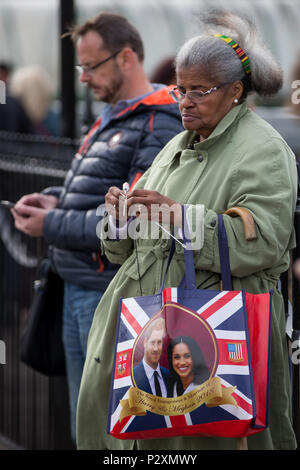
(248, 221)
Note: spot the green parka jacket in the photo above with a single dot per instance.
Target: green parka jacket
(245, 163)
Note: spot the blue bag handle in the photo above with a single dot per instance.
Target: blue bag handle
(224, 255)
(190, 275)
(189, 279)
(171, 253)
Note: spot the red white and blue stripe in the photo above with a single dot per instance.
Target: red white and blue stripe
(224, 312)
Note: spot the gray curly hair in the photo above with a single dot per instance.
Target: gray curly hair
(221, 61)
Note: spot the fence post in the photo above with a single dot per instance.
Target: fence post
(67, 71)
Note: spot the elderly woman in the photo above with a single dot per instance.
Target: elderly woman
(226, 157)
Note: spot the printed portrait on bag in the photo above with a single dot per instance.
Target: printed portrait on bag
(198, 366)
(175, 352)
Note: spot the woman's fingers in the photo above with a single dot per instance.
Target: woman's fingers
(145, 197)
(146, 204)
(151, 205)
(114, 201)
(140, 202)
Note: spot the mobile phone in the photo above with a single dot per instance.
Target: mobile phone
(8, 204)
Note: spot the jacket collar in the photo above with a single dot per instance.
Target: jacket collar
(159, 97)
(187, 137)
(234, 114)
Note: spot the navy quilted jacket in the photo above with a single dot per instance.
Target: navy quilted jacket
(120, 152)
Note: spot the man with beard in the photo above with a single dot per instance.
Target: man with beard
(137, 121)
(149, 375)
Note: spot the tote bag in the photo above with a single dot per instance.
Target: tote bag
(228, 337)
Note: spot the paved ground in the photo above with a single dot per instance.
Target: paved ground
(6, 444)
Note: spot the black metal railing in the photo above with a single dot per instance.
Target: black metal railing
(33, 407)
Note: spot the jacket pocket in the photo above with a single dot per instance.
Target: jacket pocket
(138, 268)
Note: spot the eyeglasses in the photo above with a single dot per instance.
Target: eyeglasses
(92, 68)
(196, 96)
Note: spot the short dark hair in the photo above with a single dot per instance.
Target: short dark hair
(115, 31)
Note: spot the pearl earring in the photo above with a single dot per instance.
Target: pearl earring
(235, 100)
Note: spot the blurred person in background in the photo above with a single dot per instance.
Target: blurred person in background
(164, 72)
(294, 97)
(137, 121)
(5, 72)
(34, 88)
(13, 117)
(296, 268)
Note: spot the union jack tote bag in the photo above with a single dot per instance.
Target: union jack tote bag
(191, 362)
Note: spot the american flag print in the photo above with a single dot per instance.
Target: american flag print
(235, 352)
(218, 320)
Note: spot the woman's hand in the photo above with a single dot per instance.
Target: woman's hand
(114, 202)
(143, 203)
(154, 206)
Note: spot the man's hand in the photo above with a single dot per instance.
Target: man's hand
(38, 200)
(30, 211)
(29, 220)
